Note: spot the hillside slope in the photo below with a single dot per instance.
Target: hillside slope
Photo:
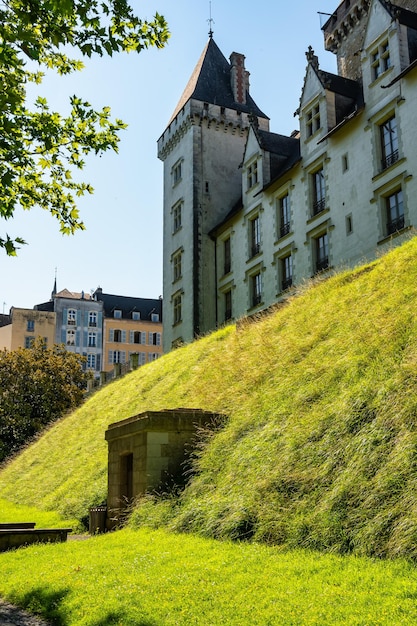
(320, 449)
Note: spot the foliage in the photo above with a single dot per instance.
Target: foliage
(39, 148)
(319, 449)
(37, 385)
(152, 578)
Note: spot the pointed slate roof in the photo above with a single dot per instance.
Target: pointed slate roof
(210, 82)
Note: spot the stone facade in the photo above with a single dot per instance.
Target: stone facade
(340, 191)
(147, 452)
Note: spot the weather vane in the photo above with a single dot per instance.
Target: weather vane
(211, 22)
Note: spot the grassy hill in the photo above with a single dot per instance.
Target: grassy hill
(320, 446)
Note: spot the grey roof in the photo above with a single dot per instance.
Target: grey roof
(127, 304)
(210, 82)
(284, 151)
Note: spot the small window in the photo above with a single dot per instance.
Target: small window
(117, 314)
(154, 339)
(155, 317)
(136, 315)
(313, 120)
(207, 187)
(177, 265)
(29, 341)
(345, 163)
(252, 174)
(177, 173)
(380, 60)
(349, 225)
(30, 326)
(70, 337)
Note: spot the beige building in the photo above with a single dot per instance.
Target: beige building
(25, 326)
(340, 190)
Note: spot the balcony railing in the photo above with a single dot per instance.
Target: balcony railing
(390, 159)
(319, 206)
(285, 229)
(322, 264)
(395, 225)
(286, 283)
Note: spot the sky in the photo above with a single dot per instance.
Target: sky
(121, 248)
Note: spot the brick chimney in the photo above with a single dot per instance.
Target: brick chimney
(239, 77)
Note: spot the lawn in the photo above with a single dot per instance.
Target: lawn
(149, 578)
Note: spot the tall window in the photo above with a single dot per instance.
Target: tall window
(256, 289)
(177, 305)
(286, 268)
(92, 318)
(30, 326)
(228, 305)
(92, 340)
(91, 361)
(284, 215)
(177, 217)
(117, 335)
(154, 339)
(389, 142)
(255, 236)
(319, 191)
(380, 60)
(395, 212)
(313, 120)
(177, 265)
(322, 252)
(71, 317)
(252, 174)
(117, 356)
(177, 173)
(227, 256)
(70, 337)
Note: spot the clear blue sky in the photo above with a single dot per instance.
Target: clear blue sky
(121, 249)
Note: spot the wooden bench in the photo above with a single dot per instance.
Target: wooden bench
(17, 525)
(11, 538)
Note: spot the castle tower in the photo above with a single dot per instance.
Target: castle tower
(202, 149)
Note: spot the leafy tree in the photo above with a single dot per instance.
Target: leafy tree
(37, 386)
(39, 148)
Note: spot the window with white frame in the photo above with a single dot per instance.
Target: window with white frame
(389, 142)
(283, 208)
(319, 191)
(71, 317)
(117, 314)
(254, 236)
(154, 339)
(117, 356)
(177, 173)
(313, 123)
(152, 356)
(92, 318)
(91, 361)
(92, 340)
(394, 212)
(136, 315)
(70, 337)
(380, 59)
(138, 336)
(154, 317)
(252, 174)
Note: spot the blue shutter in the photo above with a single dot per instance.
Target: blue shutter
(78, 317)
(98, 359)
(110, 356)
(100, 319)
(143, 339)
(123, 336)
(65, 316)
(85, 338)
(122, 356)
(63, 335)
(77, 338)
(99, 340)
(111, 334)
(86, 313)
(131, 336)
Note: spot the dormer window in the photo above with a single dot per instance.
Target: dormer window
(117, 314)
(313, 123)
(380, 60)
(252, 174)
(136, 315)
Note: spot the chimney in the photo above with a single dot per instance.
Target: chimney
(239, 77)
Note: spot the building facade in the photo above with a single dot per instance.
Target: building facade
(24, 326)
(132, 328)
(339, 191)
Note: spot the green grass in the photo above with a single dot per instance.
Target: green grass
(10, 512)
(152, 578)
(320, 447)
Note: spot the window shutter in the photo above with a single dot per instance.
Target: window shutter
(63, 336)
(77, 338)
(98, 359)
(143, 338)
(150, 339)
(78, 317)
(110, 356)
(86, 318)
(85, 338)
(99, 319)
(111, 334)
(122, 356)
(65, 316)
(123, 336)
(158, 339)
(131, 336)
